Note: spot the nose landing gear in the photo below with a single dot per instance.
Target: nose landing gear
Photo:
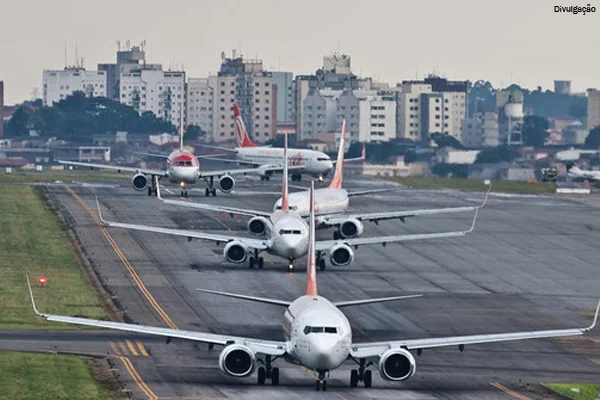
(321, 383)
(291, 265)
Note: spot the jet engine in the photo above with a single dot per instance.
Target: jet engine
(237, 360)
(341, 255)
(226, 183)
(259, 226)
(235, 252)
(397, 365)
(351, 228)
(139, 182)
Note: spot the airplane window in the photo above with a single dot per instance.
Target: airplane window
(323, 159)
(316, 329)
(306, 330)
(296, 232)
(319, 329)
(188, 163)
(329, 329)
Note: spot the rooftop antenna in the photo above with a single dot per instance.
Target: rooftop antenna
(76, 55)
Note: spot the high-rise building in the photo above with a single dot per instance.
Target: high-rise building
(58, 84)
(200, 104)
(1, 108)
(161, 92)
(593, 111)
(285, 104)
(562, 87)
(128, 61)
(246, 83)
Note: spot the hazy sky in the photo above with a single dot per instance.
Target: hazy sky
(504, 41)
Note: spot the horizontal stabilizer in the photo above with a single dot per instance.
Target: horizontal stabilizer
(341, 304)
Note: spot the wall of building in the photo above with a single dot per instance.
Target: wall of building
(593, 111)
(377, 120)
(284, 82)
(59, 84)
(199, 103)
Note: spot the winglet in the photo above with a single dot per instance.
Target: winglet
(487, 194)
(593, 325)
(311, 269)
(100, 212)
(33, 300)
(474, 221)
(336, 182)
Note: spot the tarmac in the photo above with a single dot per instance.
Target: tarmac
(531, 263)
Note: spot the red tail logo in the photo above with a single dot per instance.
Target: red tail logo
(311, 268)
(242, 138)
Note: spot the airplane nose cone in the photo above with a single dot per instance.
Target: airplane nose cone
(325, 354)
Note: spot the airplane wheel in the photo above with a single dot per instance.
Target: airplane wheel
(262, 178)
(206, 192)
(324, 386)
(267, 178)
(261, 262)
(181, 194)
(321, 264)
(353, 378)
(368, 378)
(275, 376)
(251, 262)
(149, 191)
(214, 192)
(262, 375)
(185, 193)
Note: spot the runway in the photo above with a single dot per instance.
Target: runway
(532, 263)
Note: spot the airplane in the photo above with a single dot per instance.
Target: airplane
(576, 173)
(311, 162)
(317, 336)
(287, 236)
(331, 202)
(183, 169)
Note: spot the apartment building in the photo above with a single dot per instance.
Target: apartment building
(199, 100)
(59, 84)
(593, 109)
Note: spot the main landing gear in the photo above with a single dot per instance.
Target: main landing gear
(296, 177)
(362, 374)
(321, 381)
(256, 261)
(265, 178)
(210, 182)
(268, 372)
(320, 261)
(152, 187)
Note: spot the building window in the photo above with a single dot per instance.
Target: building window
(267, 92)
(267, 84)
(257, 84)
(222, 84)
(257, 101)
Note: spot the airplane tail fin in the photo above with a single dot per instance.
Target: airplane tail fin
(285, 203)
(311, 269)
(242, 138)
(181, 130)
(336, 182)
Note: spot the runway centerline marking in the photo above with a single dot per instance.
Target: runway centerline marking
(509, 391)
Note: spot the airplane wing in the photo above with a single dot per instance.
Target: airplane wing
(337, 219)
(249, 242)
(365, 350)
(270, 347)
(118, 168)
(369, 191)
(323, 245)
(157, 155)
(261, 169)
(211, 207)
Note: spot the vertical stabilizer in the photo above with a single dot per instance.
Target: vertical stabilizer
(311, 270)
(242, 138)
(181, 130)
(336, 182)
(285, 204)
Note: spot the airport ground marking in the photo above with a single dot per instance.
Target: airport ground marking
(137, 378)
(509, 391)
(114, 348)
(125, 262)
(142, 348)
(132, 348)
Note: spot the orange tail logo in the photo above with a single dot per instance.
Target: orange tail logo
(311, 269)
(242, 138)
(336, 182)
(285, 205)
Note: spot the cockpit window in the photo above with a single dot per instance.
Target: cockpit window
(290, 232)
(323, 159)
(319, 329)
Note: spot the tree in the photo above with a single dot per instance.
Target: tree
(535, 130)
(451, 170)
(193, 132)
(446, 141)
(592, 141)
(18, 123)
(498, 154)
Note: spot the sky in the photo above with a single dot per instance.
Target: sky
(507, 41)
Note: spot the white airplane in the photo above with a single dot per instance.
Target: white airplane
(317, 336)
(287, 236)
(577, 173)
(183, 169)
(311, 162)
(331, 204)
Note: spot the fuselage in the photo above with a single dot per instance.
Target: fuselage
(327, 201)
(183, 167)
(318, 333)
(289, 235)
(313, 162)
(575, 172)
